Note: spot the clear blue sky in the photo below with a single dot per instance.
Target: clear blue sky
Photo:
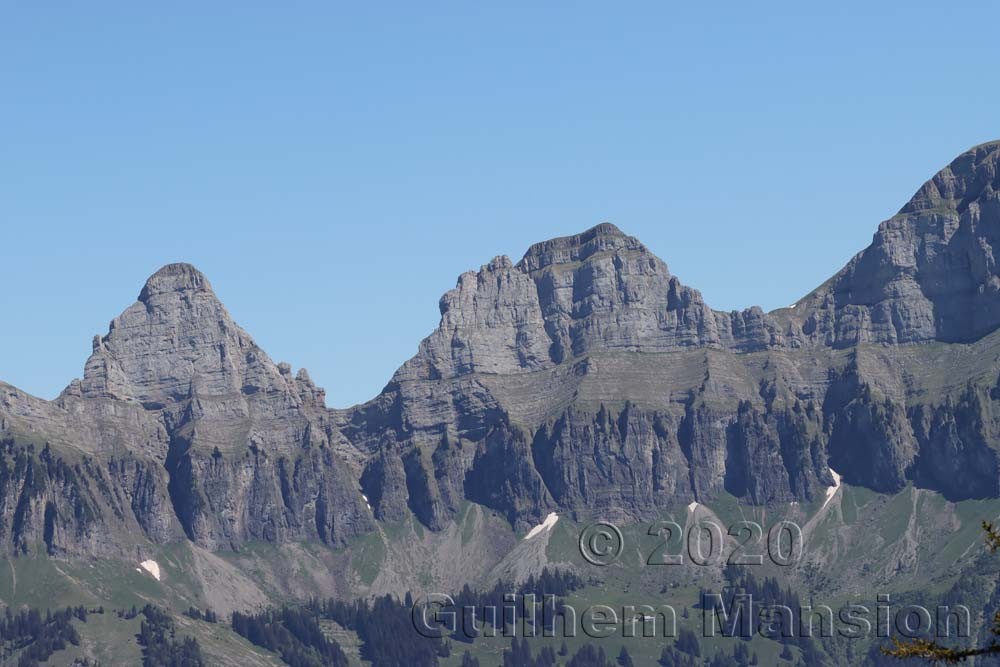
(334, 167)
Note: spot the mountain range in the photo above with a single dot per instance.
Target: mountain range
(584, 380)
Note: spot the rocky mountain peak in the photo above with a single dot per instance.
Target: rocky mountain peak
(178, 340)
(604, 237)
(930, 272)
(180, 277)
(600, 289)
(969, 177)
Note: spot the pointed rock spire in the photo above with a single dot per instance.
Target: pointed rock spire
(176, 337)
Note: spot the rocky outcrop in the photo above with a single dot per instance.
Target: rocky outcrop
(80, 509)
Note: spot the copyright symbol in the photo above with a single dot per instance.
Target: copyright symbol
(601, 543)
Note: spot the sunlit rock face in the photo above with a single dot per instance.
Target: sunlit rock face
(188, 429)
(585, 379)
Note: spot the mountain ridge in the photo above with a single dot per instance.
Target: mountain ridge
(584, 379)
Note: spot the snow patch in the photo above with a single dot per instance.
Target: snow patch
(550, 521)
(693, 506)
(832, 490)
(366, 501)
(152, 567)
(793, 305)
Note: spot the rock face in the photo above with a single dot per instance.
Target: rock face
(585, 378)
(599, 290)
(180, 426)
(930, 272)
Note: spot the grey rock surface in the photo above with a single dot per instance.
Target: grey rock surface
(584, 379)
(181, 425)
(930, 272)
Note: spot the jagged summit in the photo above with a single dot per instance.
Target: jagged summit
(992, 144)
(930, 272)
(177, 277)
(578, 247)
(597, 290)
(968, 177)
(178, 341)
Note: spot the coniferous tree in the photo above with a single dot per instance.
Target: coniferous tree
(935, 652)
(687, 642)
